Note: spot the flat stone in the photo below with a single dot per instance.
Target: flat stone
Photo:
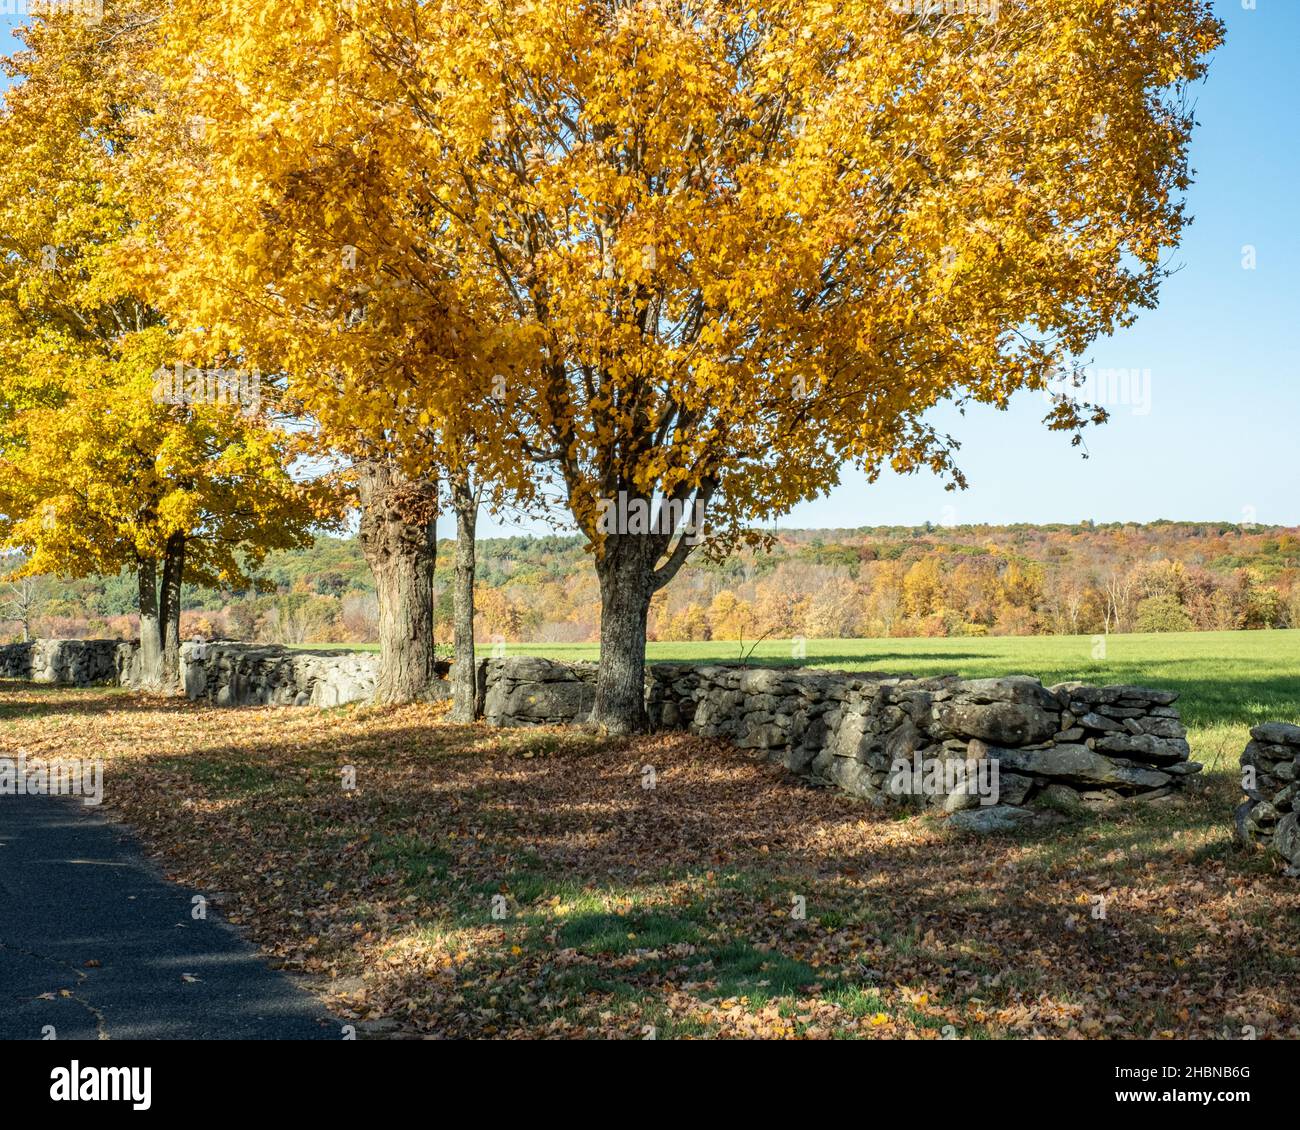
(1082, 692)
(1265, 753)
(1277, 733)
(760, 680)
(1005, 723)
(1145, 746)
(1094, 721)
(993, 819)
(1022, 689)
(1162, 727)
(1076, 763)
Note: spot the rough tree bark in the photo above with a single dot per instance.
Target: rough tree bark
(399, 539)
(170, 613)
(632, 567)
(626, 573)
(151, 654)
(464, 689)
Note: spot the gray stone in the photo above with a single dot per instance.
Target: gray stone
(956, 801)
(992, 819)
(1021, 689)
(766, 736)
(759, 680)
(852, 737)
(75, 663)
(516, 703)
(1004, 723)
(1078, 764)
(1242, 827)
(853, 777)
(1060, 798)
(1013, 788)
(903, 741)
(1265, 755)
(1112, 695)
(1146, 747)
(1277, 733)
(1093, 721)
(1286, 838)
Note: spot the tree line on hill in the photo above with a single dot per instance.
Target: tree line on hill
(667, 267)
(870, 582)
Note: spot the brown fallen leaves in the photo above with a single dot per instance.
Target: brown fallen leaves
(524, 883)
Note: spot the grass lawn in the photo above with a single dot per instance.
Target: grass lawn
(499, 883)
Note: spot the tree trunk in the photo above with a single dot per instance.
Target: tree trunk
(151, 657)
(400, 542)
(172, 578)
(464, 688)
(626, 572)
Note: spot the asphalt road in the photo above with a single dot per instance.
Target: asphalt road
(97, 945)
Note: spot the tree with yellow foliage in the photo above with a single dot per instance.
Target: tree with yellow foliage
(291, 257)
(923, 588)
(110, 456)
(730, 618)
(710, 252)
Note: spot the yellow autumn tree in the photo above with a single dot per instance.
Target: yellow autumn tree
(111, 456)
(709, 252)
(730, 617)
(923, 587)
(294, 259)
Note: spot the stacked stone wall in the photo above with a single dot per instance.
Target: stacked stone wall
(894, 739)
(1269, 816)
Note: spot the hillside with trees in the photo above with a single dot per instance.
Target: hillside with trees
(872, 581)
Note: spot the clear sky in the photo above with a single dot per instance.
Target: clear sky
(1213, 433)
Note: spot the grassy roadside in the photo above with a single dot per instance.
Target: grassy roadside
(499, 883)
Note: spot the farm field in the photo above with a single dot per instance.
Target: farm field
(495, 883)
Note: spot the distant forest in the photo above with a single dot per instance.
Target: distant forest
(869, 582)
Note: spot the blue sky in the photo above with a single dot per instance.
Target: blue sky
(1218, 438)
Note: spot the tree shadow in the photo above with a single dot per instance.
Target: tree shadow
(16, 700)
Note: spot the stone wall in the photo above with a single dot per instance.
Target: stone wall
(77, 663)
(1269, 817)
(1058, 750)
(992, 753)
(242, 674)
(223, 673)
(527, 691)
